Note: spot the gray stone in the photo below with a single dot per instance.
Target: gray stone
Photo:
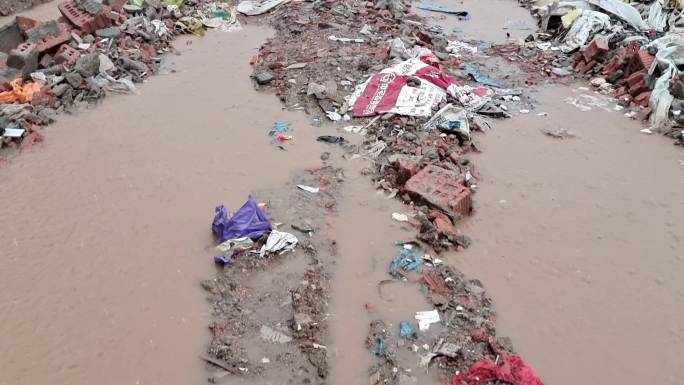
(264, 77)
(74, 79)
(60, 89)
(108, 33)
(88, 65)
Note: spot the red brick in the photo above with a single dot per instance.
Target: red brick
(479, 335)
(83, 20)
(638, 88)
(435, 282)
(643, 98)
(444, 226)
(619, 92)
(595, 49)
(47, 41)
(635, 78)
(443, 189)
(645, 59)
(67, 54)
(25, 23)
(407, 167)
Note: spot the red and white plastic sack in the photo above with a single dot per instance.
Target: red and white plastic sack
(388, 91)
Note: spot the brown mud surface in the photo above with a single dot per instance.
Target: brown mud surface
(112, 214)
(577, 241)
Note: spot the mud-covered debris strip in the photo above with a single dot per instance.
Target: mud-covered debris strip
(269, 313)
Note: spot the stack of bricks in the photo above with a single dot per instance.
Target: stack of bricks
(590, 56)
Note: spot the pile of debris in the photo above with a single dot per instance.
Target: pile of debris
(630, 49)
(93, 49)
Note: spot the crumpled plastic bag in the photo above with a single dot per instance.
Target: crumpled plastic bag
(249, 221)
(405, 261)
(237, 244)
(623, 11)
(278, 242)
(511, 370)
(22, 93)
(583, 28)
(189, 24)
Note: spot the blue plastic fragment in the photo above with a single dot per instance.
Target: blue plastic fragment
(407, 330)
(479, 77)
(405, 261)
(379, 349)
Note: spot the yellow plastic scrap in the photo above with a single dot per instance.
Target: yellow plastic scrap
(680, 4)
(177, 3)
(20, 93)
(571, 16)
(188, 24)
(139, 3)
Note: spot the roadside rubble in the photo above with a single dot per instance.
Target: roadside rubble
(269, 305)
(418, 96)
(630, 50)
(94, 49)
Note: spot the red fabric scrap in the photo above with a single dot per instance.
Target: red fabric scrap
(511, 370)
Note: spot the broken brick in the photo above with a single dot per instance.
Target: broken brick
(645, 59)
(638, 88)
(635, 78)
(595, 49)
(643, 98)
(443, 189)
(24, 58)
(407, 166)
(444, 226)
(67, 54)
(83, 20)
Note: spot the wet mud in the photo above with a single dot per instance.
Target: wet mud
(575, 240)
(103, 245)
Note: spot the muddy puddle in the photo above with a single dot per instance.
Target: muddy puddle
(576, 240)
(106, 235)
(489, 20)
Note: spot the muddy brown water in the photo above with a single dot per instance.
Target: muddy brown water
(106, 233)
(106, 228)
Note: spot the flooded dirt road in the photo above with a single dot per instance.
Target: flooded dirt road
(107, 233)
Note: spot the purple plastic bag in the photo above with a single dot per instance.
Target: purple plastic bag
(249, 221)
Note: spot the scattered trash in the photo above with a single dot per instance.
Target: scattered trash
(437, 8)
(313, 190)
(558, 133)
(235, 245)
(400, 217)
(405, 261)
(346, 39)
(13, 132)
(279, 242)
(257, 7)
(222, 260)
(249, 221)
(407, 330)
(331, 139)
(508, 368)
(273, 336)
(426, 318)
(646, 131)
(479, 77)
(451, 120)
